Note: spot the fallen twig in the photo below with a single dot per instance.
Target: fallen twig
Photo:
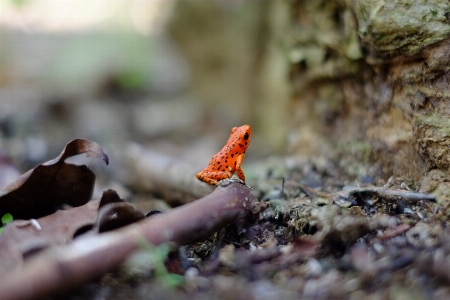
(164, 174)
(391, 195)
(60, 268)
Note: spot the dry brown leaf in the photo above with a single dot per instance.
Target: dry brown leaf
(22, 238)
(42, 190)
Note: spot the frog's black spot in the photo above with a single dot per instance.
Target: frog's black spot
(232, 155)
(232, 145)
(240, 145)
(226, 160)
(246, 136)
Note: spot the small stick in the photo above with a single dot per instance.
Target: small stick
(61, 268)
(393, 195)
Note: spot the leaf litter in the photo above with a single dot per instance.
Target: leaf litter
(309, 237)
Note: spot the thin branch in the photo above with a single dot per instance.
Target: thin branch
(166, 175)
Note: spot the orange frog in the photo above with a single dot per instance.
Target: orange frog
(229, 159)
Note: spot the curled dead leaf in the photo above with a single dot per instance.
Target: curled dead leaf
(116, 215)
(114, 212)
(42, 190)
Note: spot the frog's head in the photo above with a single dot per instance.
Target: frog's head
(240, 137)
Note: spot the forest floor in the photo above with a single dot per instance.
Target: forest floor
(314, 237)
(311, 234)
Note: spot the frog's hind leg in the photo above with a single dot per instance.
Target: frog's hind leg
(214, 178)
(239, 171)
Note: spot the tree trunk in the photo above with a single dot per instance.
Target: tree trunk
(371, 87)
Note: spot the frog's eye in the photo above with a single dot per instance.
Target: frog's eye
(246, 136)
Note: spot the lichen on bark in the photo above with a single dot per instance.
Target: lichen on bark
(402, 26)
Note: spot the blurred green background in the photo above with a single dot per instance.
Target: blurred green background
(174, 76)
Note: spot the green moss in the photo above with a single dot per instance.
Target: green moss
(402, 26)
(435, 121)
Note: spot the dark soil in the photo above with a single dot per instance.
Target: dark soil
(315, 238)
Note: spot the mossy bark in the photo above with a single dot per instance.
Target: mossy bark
(371, 80)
